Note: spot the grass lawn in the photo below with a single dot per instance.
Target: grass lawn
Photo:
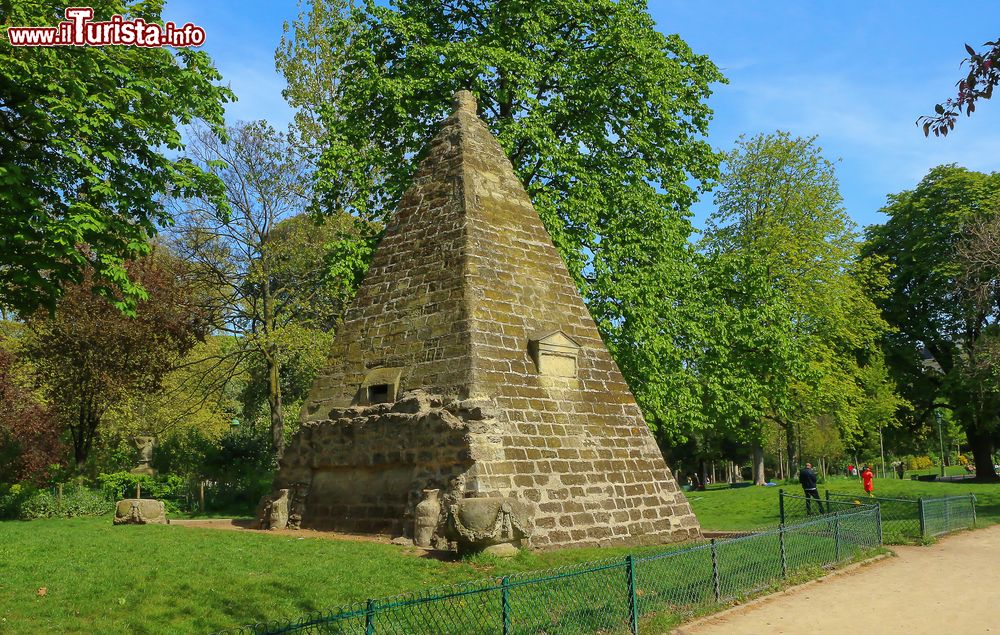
(722, 508)
(171, 579)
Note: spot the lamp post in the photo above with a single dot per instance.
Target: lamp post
(937, 416)
(881, 450)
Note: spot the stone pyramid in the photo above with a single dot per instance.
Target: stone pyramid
(469, 366)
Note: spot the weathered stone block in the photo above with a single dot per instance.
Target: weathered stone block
(140, 511)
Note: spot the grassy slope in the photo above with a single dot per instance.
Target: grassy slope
(103, 579)
(155, 579)
(750, 507)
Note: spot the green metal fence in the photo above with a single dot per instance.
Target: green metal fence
(911, 519)
(607, 596)
(946, 514)
(796, 508)
(900, 515)
(904, 520)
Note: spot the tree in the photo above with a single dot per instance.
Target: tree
(83, 132)
(983, 75)
(792, 322)
(944, 301)
(89, 357)
(602, 116)
(278, 281)
(30, 439)
(201, 392)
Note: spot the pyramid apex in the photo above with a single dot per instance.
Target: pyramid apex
(464, 100)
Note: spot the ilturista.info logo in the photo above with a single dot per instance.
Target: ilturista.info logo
(79, 29)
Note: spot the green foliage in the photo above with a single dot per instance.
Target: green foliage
(172, 489)
(602, 116)
(26, 502)
(941, 240)
(30, 441)
(918, 462)
(277, 279)
(242, 465)
(82, 153)
(118, 485)
(90, 358)
(794, 332)
(185, 453)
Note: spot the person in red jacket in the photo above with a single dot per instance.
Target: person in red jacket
(866, 479)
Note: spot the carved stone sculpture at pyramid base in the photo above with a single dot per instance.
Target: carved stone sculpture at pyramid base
(468, 363)
(495, 525)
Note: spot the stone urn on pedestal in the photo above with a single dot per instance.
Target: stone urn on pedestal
(426, 518)
(144, 445)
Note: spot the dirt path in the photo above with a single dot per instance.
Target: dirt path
(951, 587)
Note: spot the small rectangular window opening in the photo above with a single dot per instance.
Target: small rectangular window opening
(378, 393)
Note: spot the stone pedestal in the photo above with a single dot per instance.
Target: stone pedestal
(140, 511)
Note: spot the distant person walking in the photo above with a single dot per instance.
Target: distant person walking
(807, 478)
(866, 479)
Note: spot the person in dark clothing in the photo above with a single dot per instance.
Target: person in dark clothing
(807, 478)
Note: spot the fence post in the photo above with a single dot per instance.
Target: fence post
(972, 501)
(633, 606)
(505, 604)
(781, 505)
(878, 521)
(716, 582)
(370, 618)
(947, 514)
(138, 489)
(923, 521)
(201, 497)
(784, 557)
(59, 500)
(836, 536)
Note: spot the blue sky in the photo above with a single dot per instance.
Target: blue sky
(857, 74)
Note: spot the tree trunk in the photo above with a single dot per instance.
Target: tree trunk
(273, 376)
(758, 465)
(274, 403)
(982, 453)
(83, 433)
(792, 450)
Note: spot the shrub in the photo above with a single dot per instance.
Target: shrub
(173, 490)
(918, 462)
(24, 502)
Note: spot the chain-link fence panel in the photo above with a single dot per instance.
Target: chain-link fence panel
(795, 508)
(900, 515)
(677, 582)
(946, 514)
(605, 597)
